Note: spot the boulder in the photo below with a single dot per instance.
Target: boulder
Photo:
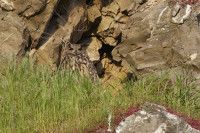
(14, 36)
(154, 118)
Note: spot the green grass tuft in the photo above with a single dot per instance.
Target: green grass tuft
(34, 100)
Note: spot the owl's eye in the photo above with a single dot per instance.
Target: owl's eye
(80, 48)
(70, 48)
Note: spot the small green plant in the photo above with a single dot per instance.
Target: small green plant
(34, 100)
(183, 96)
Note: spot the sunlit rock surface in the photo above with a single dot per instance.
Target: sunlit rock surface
(154, 118)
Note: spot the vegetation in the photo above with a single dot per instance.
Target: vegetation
(34, 100)
(183, 2)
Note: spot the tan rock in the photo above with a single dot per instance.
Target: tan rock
(98, 3)
(93, 49)
(145, 58)
(111, 41)
(112, 8)
(14, 36)
(124, 4)
(93, 13)
(105, 23)
(121, 18)
(72, 31)
(113, 74)
(36, 14)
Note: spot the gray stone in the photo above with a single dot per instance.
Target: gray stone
(154, 118)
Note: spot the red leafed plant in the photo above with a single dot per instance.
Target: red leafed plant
(190, 1)
(193, 3)
(185, 2)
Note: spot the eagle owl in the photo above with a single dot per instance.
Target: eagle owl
(75, 56)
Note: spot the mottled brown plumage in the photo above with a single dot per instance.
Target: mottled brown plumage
(75, 56)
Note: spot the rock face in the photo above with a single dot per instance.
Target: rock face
(14, 36)
(132, 35)
(154, 118)
(62, 29)
(35, 13)
(123, 36)
(152, 37)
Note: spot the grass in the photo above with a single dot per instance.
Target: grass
(37, 101)
(34, 100)
(183, 96)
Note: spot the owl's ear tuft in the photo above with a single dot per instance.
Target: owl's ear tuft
(83, 46)
(86, 44)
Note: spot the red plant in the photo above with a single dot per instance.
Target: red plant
(185, 2)
(121, 117)
(190, 1)
(192, 122)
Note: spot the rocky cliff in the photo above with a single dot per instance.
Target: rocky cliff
(125, 37)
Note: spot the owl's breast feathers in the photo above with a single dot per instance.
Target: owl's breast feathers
(79, 60)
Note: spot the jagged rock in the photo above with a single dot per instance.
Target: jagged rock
(93, 13)
(154, 118)
(188, 46)
(145, 58)
(150, 39)
(145, 35)
(93, 48)
(71, 30)
(113, 20)
(14, 36)
(111, 10)
(124, 5)
(105, 24)
(35, 13)
(113, 74)
(98, 3)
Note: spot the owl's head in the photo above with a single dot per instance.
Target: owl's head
(74, 49)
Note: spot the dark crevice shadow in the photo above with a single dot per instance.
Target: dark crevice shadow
(89, 2)
(106, 49)
(51, 29)
(59, 18)
(106, 2)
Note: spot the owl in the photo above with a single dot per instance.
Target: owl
(75, 56)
